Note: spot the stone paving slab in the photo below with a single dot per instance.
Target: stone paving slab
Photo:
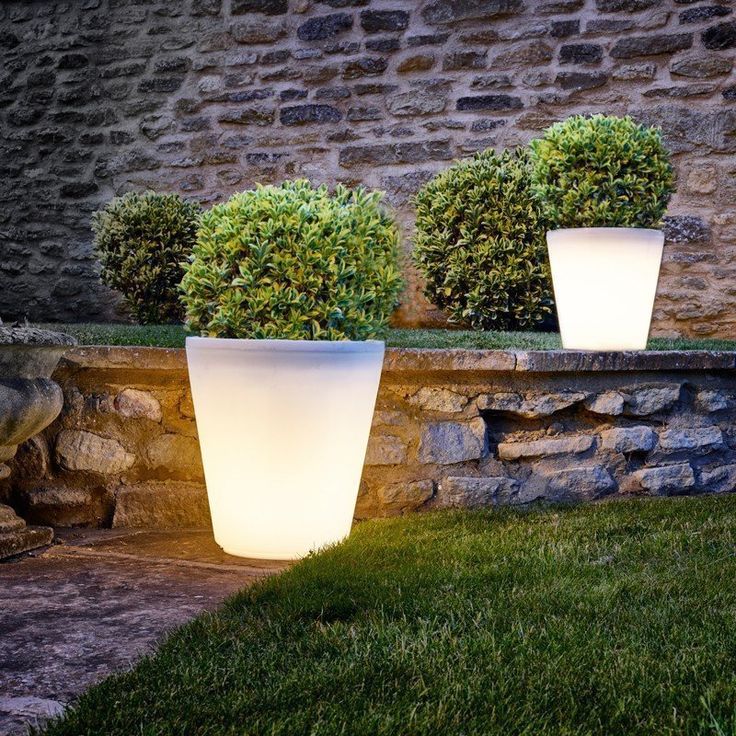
(97, 601)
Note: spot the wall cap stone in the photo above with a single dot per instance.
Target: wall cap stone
(437, 360)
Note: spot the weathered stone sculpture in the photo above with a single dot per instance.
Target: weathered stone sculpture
(29, 402)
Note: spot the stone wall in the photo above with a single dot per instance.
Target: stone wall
(206, 97)
(451, 428)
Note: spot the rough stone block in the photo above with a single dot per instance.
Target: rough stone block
(680, 91)
(161, 505)
(377, 21)
(697, 15)
(702, 180)
(258, 31)
(9, 520)
(720, 36)
(325, 26)
(261, 116)
(629, 439)
(533, 406)
(409, 152)
(357, 114)
(206, 7)
(464, 60)
(711, 401)
(618, 6)
(432, 398)
(608, 403)
(581, 53)
(472, 492)
(533, 54)
(416, 63)
(383, 45)
(267, 7)
(635, 72)
(445, 443)
(578, 81)
(451, 11)
(367, 67)
(651, 45)
(545, 447)
(578, 483)
(695, 438)
(81, 450)
(491, 81)
(59, 505)
(385, 449)
(701, 67)
(685, 229)
(719, 479)
(565, 28)
(544, 405)
(396, 498)
(506, 401)
(424, 99)
(136, 404)
(302, 114)
(490, 102)
(652, 399)
(175, 456)
(667, 479)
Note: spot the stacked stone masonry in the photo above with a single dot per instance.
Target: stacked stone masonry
(206, 97)
(454, 428)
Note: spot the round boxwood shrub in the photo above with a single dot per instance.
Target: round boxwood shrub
(601, 171)
(294, 262)
(142, 241)
(480, 243)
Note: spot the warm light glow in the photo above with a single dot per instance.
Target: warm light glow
(283, 428)
(605, 280)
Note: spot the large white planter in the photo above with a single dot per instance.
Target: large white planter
(283, 427)
(605, 280)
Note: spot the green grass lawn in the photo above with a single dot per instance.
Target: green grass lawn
(172, 336)
(615, 618)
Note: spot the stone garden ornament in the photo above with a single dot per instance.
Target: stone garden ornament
(29, 402)
(603, 183)
(287, 285)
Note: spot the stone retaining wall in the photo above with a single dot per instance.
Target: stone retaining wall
(206, 97)
(452, 428)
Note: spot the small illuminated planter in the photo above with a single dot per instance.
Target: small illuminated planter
(605, 280)
(283, 427)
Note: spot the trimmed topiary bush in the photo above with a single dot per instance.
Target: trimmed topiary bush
(141, 241)
(294, 262)
(601, 171)
(480, 243)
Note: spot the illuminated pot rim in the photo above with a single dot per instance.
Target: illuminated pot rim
(643, 231)
(287, 346)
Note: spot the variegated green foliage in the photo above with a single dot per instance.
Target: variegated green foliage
(480, 243)
(294, 262)
(602, 171)
(141, 241)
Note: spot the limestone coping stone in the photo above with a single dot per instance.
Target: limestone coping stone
(456, 360)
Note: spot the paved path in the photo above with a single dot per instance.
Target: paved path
(96, 602)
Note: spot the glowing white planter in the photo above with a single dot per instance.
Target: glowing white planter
(605, 280)
(283, 428)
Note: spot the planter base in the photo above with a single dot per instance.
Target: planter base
(16, 537)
